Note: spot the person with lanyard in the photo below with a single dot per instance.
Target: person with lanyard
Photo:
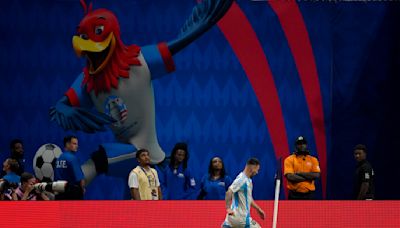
(143, 180)
(214, 184)
(68, 169)
(364, 188)
(176, 180)
(301, 169)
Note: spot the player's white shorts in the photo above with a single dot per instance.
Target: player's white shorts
(235, 222)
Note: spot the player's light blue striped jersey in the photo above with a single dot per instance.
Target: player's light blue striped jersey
(242, 188)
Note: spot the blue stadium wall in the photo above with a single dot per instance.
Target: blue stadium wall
(209, 101)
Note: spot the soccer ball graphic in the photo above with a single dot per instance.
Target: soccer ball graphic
(45, 160)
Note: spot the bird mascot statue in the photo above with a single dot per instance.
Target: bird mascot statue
(115, 87)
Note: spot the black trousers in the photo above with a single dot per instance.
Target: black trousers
(72, 192)
(300, 195)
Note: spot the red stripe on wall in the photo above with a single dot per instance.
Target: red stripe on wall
(245, 44)
(296, 33)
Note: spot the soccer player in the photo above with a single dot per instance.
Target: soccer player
(239, 198)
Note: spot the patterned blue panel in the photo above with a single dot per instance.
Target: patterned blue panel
(209, 102)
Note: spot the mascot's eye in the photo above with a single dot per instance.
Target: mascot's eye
(84, 36)
(99, 29)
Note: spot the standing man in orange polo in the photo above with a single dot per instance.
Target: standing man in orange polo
(300, 170)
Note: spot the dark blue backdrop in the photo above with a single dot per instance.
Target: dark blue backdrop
(209, 102)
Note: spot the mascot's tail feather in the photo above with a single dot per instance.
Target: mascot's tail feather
(205, 15)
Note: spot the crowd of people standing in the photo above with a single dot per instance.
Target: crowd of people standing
(172, 179)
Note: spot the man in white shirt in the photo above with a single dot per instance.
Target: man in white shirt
(143, 180)
(239, 198)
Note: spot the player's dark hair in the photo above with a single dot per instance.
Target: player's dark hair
(253, 161)
(13, 142)
(210, 168)
(361, 147)
(180, 146)
(139, 152)
(67, 139)
(14, 166)
(25, 176)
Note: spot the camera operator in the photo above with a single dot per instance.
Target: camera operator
(26, 190)
(7, 189)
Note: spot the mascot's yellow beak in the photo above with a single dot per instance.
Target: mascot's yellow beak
(98, 53)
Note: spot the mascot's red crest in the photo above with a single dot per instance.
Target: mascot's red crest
(108, 58)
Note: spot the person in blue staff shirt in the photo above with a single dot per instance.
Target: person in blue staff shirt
(10, 167)
(17, 153)
(177, 181)
(69, 169)
(214, 184)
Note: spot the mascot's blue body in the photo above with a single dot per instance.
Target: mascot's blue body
(115, 87)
